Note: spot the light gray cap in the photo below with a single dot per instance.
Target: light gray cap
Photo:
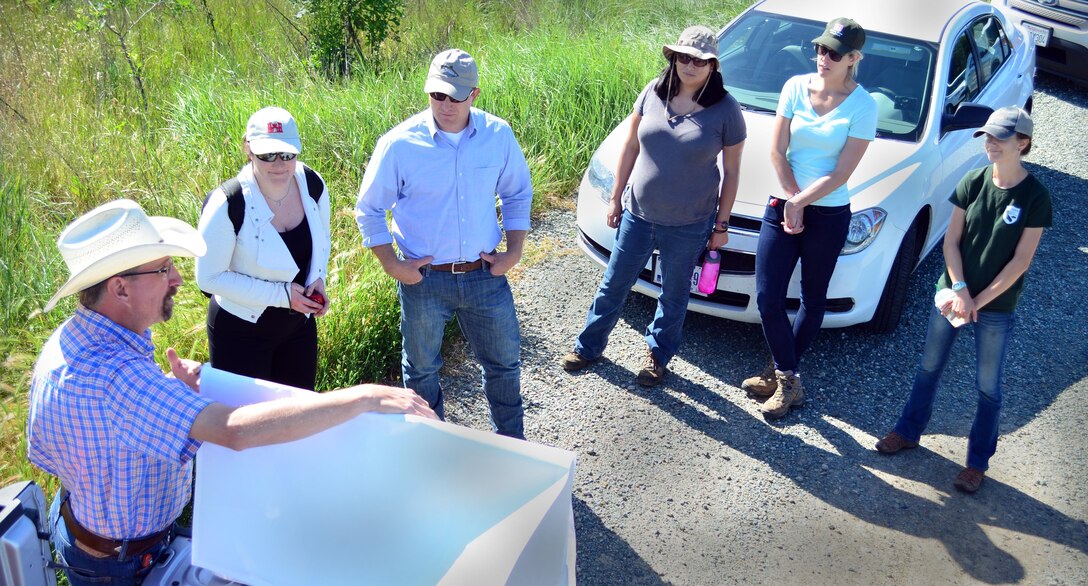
(453, 72)
(1007, 121)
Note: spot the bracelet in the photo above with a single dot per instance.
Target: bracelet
(723, 224)
(721, 231)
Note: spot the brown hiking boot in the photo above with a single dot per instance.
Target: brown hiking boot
(574, 361)
(893, 443)
(763, 384)
(652, 373)
(969, 480)
(789, 394)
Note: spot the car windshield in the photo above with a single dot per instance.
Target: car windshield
(761, 51)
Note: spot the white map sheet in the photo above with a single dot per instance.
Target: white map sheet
(381, 499)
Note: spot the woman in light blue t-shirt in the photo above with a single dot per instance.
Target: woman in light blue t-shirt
(824, 123)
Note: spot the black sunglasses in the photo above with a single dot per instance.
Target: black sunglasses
(684, 58)
(441, 97)
(269, 157)
(832, 55)
(163, 271)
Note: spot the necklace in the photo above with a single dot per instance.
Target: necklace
(278, 202)
(694, 105)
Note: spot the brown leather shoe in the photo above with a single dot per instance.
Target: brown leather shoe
(763, 384)
(969, 480)
(893, 443)
(574, 361)
(652, 373)
(790, 393)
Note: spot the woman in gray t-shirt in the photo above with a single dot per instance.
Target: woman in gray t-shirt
(670, 196)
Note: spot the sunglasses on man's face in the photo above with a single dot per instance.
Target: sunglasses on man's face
(685, 59)
(832, 55)
(269, 157)
(441, 97)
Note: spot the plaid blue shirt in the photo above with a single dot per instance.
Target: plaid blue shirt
(108, 422)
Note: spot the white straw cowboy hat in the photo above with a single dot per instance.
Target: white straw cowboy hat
(118, 236)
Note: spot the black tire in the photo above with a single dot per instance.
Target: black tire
(890, 307)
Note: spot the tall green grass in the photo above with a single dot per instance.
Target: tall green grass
(563, 73)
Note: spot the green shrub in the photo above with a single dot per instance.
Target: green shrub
(341, 29)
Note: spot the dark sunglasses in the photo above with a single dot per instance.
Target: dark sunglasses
(441, 97)
(163, 271)
(269, 157)
(684, 58)
(832, 55)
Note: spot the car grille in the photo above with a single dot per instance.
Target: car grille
(1055, 14)
(746, 223)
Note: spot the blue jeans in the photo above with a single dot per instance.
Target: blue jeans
(86, 569)
(993, 331)
(777, 253)
(679, 248)
(484, 307)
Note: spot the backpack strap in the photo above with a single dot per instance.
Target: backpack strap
(314, 184)
(236, 204)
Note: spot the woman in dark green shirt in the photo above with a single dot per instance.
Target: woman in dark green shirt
(996, 226)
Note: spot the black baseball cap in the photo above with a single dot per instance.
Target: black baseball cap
(842, 35)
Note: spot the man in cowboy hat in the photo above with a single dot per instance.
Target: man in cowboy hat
(439, 173)
(118, 432)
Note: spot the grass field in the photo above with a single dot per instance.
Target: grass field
(76, 134)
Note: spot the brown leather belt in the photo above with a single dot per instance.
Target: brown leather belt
(108, 547)
(459, 267)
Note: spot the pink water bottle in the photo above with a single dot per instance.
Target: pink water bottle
(708, 277)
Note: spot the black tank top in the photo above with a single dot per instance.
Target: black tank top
(301, 245)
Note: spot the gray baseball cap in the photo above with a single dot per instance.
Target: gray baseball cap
(453, 72)
(1007, 121)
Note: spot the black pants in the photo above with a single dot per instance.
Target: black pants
(281, 347)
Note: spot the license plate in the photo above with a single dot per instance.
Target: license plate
(1040, 35)
(694, 277)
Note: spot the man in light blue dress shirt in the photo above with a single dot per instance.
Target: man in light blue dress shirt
(439, 173)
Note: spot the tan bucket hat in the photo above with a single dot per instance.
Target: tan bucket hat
(697, 41)
(118, 236)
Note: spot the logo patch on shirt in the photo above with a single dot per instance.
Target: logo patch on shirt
(1011, 215)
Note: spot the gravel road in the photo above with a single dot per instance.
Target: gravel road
(687, 484)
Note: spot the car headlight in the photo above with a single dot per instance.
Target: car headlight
(864, 226)
(601, 178)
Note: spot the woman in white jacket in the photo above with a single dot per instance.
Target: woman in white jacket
(266, 273)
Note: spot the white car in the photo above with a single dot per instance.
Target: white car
(936, 68)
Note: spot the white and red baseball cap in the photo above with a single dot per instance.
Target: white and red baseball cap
(273, 130)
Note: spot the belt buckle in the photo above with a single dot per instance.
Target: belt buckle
(453, 268)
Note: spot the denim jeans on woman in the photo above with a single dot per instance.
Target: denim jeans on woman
(679, 249)
(993, 330)
(484, 306)
(84, 569)
(777, 253)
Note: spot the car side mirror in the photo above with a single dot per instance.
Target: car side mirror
(968, 115)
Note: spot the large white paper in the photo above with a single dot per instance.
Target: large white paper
(381, 499)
